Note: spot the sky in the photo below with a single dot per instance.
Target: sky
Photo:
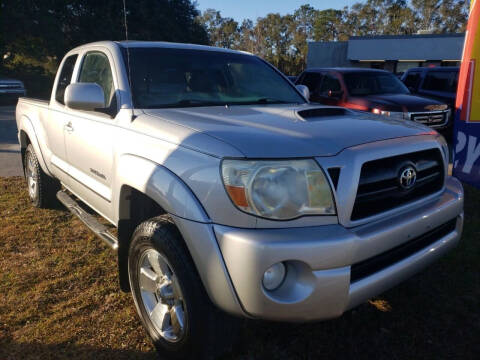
(252, 9)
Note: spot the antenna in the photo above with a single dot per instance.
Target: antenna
(128, 57)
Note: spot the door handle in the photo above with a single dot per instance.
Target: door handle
(69, 127)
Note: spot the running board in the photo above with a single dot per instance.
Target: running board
(99, 229)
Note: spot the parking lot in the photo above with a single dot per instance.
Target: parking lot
(10, 162)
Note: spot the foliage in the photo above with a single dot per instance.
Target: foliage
(39, 32)
(283, 40)
(35, 34)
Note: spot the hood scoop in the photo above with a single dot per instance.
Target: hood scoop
(319, 113)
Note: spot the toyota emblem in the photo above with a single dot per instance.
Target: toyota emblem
(408, 178)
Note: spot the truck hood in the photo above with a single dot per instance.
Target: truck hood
(398, 102)
(283, 131)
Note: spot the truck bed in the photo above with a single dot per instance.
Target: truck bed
(34, 101)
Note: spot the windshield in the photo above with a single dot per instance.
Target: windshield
(165, 77)
(373, 83)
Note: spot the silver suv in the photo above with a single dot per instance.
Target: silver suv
(230, 193)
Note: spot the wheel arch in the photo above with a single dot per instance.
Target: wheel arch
(146, 189)
(24, 141)
(28, 136)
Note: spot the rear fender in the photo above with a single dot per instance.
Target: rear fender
(26, 134)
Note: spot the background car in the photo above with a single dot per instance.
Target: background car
(376, 91)
(438, 83)
(11, 90)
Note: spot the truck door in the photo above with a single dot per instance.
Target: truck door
(330, 91)
(55, 120)
(90, 137)
(312, 80)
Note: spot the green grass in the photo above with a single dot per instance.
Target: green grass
(59, 299)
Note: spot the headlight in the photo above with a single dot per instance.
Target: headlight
(279, 190)
(392, 114)
(397, 115)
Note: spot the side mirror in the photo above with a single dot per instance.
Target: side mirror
(304, 90)
(335, 94)
(84, 96)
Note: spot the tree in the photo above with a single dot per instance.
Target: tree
(301, 26)
(247, 38)
(222, 32)
(275, 38)
(283, 40)
(45, 29)
(328, 25)
(428, 13)
(400, 18)
(453, 16)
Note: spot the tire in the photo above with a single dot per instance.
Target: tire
(42, 189)
(207, 332)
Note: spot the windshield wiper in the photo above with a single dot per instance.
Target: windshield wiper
(267, 100)
(186, 103)
(199, 103)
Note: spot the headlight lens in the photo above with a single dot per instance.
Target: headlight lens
(397, 115)
(392, 114)
(279, 190)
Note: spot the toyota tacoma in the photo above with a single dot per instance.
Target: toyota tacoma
(226, 193)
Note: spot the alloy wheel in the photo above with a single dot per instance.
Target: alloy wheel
(161, 295)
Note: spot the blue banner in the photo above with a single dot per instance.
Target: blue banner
(466, 164)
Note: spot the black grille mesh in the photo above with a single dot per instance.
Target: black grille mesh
(379, 188)
(377, 263)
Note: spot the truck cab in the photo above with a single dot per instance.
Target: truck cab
(439, 83)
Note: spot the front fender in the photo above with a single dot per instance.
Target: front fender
(161, 185)
(175, 197)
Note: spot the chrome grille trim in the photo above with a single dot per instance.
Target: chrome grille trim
(431, 118)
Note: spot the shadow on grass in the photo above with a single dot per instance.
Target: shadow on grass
(11, 351)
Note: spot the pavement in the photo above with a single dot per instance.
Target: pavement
(10, 160)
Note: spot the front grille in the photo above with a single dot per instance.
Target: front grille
(377, 263)
(379, 189)
(430, 118)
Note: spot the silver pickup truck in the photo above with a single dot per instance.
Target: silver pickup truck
(229, 192)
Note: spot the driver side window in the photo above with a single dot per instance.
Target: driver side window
(96, 69)
(330, 83)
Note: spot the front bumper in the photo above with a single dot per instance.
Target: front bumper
(319, 259)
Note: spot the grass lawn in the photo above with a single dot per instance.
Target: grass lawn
(59, 299)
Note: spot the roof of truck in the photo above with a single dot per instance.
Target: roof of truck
(158, 44)
(345, 70)
(436, 68)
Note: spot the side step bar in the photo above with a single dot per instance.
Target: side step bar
(99, 229)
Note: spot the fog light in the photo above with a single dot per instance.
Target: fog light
(274, 276)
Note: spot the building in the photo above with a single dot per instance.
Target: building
(394, 53)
